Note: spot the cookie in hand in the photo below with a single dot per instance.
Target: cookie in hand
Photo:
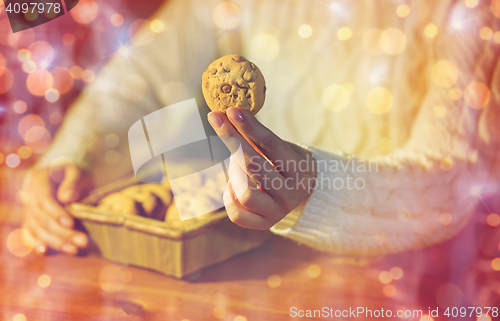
(233, 81)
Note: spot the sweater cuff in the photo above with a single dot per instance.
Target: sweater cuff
(305, 224)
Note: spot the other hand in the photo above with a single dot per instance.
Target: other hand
(44, 216)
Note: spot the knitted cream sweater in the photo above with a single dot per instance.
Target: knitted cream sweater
(382, 94)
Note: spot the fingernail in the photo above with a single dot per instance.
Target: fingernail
(66, 221)
(79, 240)
(68, 248)
(235, 114)
(215, 119)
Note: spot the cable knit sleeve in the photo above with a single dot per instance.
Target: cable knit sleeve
(425, 192)
(153, 71)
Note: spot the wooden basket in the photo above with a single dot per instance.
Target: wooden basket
(170, 248)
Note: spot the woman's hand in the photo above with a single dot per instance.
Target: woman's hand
(259, 194)
(43, 214)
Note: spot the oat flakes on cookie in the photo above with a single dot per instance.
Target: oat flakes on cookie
(233, 81)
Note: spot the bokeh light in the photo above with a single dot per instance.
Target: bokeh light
(44, 281)
(348, 87)
(3, 63)
(495, 264)
(20, 242)
(265, 47)
(23, 55)
(52, 95)
(313, 271)
(76, 72)
(156, 26)
(12, 160)
(27, 122)
(371, 41)
(493, 219)
(24, 152)
(305, 31)
(31, 15)
(6, 81)
(431, 30)
(485, 33)
(403, 10)
(273, 281)
(63, 81)
(385, 277)
(5, 29)
(41, 53)
(20, 107)
(68, 39)
(449, 294)
(471, 3)
(455, 93)
(111, 140)
(426, 317)
(379, 100)
(50, 14)
(85, 12)
(444, 73)
(35, 134)
(219, 311)
(116, 19)
(21, 39)
(393, 41)
(335, 98)
(396, 273)
(19, 317)
(445, 219)
(389, 290)
(477, 95)
(39, 81)
(496, 37)
(227, 15)
(344, 33)
(439, 111)
(239, 318)
(495, 8)
(87, 75)
(29, 66)
(483, 317)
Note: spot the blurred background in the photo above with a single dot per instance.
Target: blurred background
(43, 71)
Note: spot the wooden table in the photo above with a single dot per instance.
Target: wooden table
(90, 288)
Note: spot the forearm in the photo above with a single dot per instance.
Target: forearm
(382, 205)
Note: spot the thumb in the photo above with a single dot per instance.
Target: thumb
(69, 190)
